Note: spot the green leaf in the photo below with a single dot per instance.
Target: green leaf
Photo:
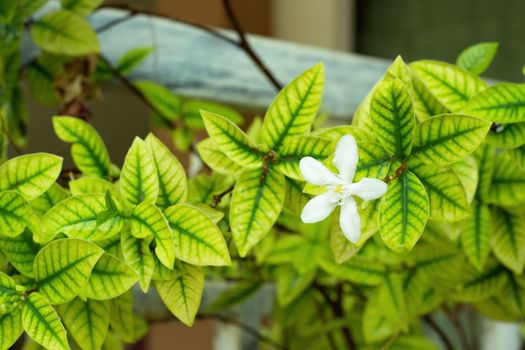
(77, 216)
(20, 251)
(64, 33)
(518, 155)
(138, 179)
(163, 99)
(485, 160)
(291, 284)
(447, 138)
(147, 220)
(182, 296)
(110, 278)
(42, 324)
(198, 240)
(63, 266)
(477, 58)
(467, 171)
(403, 212)
(446, 195)
(173, 186)
(203, 188)
(255, 205)
(452, 86)
(14, 211)
(132, 59)
(80, 7)
(385, 310)
(88, 151)
(233, 296)
(48, 199)
(479, 285)
(231, 140)
(508, 182)
(475, 236)
(357, 270)
(10, 328)
(216, 159)
(294, 199)
(508, 239)
(129, 327)
(87, 322)
(393, 118)
(30, 175)
(500, 103)
(137, 255)
(297, 147)
(413, 342)
(294, 109)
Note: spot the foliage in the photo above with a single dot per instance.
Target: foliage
(450, 229)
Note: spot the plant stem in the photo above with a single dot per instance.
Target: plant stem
(218, 197)
(433, 324)
(337, 309)
(453, 316)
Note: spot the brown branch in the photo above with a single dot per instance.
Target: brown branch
(242, 43)
(338, 311)
(218, 197)
(329, 335)
(136, 91)
(433, 324)
(245, 45)
(453, 316)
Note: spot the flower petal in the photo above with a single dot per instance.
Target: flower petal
(369, 189)
(350, 221)
(318, 208)
(316, 172)
(346, 157)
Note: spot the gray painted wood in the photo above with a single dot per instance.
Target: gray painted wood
(196, 64)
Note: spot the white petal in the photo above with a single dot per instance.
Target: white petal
(369, 189)
(350, 221)
(318, 208)
(316, 173)
(346, 157)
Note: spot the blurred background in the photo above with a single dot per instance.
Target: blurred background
(437, 29)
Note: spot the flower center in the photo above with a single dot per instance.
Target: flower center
(341, 191)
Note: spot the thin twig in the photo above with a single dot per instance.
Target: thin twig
(218, 197)
(453, 316)
(245, 45)
(242, 43)
(433, 324)
(337, 309)
(136, 91)
(329, 334)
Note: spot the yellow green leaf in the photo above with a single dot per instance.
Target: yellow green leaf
(293, 111)
(477, 58)
(86, 321)
(467, 171)
(447, 138)
(475, 236)
(403, 212)
(255, 205)
(216, 159)
(507, 187)
(137, 255)
(231, 140)
(10, 328)
(197, 239)
(393, 118)
(508, 239)
(110, 278)
(62, 268)
(42, 324)
(500, 103)
(182, 296)
(30, 175)
(89, 152)
(14, 212)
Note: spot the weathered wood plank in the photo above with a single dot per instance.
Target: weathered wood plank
(194, 63)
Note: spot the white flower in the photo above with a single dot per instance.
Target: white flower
(340, 188)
